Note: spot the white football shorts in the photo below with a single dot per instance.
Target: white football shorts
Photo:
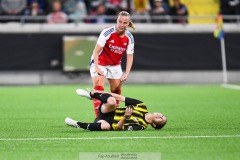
(110, 72)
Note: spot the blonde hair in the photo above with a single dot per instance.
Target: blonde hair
(124, 13)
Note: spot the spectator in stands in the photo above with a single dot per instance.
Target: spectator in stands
(160, 8)
(113, 3)
(11, 7)
(1, 10)
(79, 12)
(69, 6)
(101, 14)
(140, 9)
(153, 1)
(41, 3)
(34, 11)
(50, 5)
(57, 16)
(87, 4)
(111, 7)
(230, 7)
(93, 5)
(180, 10)
(116, 6)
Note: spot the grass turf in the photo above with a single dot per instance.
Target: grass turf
(39, 112)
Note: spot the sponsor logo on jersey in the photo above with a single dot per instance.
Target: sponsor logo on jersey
(116, 49)
(112, 41)
(136, 119)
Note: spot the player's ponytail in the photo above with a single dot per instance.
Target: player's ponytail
(124, 13)
(131, 25)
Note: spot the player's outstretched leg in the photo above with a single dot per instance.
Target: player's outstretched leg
(87, 126)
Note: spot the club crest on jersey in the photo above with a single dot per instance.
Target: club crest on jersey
(112, 41)
(136, 119)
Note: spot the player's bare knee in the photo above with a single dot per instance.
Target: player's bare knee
(105, 126)
(111, 101)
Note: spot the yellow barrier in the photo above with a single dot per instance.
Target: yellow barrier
(201, 8)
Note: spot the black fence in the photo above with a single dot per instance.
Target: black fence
(160, 51)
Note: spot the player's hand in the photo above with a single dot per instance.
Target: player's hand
(99, 71)
(124, 77)
(128, 112)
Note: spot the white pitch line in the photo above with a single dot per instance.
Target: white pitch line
(115, 138)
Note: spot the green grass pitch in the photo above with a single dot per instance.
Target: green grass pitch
(203, 123)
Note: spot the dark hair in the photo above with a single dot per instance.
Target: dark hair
(159, 126)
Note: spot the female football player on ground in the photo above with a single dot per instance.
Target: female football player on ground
(134, 116)
(112, 44)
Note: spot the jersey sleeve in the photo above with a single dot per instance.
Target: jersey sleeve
(130, 47)
(104, 36)
(131, 101)
(102, 39)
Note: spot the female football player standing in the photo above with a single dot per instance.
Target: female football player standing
(112, 44)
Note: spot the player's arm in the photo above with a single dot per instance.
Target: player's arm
(127, 100)
(96, 51)
(131, 101)
(116, 96)
(128, 67)
(130, 53)
(129, 63)
(127, 115)
(98, 48)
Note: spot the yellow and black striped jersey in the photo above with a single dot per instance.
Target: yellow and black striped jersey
(137, 120)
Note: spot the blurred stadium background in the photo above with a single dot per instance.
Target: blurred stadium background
(37, 52)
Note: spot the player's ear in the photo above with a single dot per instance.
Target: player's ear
(153, 125)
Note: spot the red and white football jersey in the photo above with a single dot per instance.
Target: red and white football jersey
(114, 47)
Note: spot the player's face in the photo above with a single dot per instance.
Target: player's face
(122, 23)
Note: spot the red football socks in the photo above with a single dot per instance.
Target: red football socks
(118, 92)
(96, 102)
